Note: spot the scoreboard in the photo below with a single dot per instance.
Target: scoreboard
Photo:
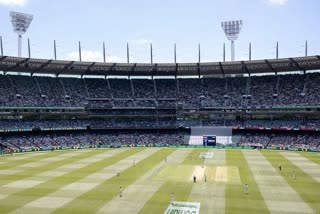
(209, 140)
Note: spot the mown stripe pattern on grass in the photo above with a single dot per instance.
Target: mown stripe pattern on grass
(277, 193)
(85, 181)
(236, 199)
(314, 157)
(51, 184)
(32, 176)
(137, 194)
(304, 164)
(93, 200)
(304, 185)
(159, 202)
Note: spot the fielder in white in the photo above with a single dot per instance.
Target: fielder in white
(246, 188)
(294, 175)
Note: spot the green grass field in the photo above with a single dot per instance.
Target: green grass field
(86, 181)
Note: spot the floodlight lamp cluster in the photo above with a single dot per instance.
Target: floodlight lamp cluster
(232, 29)
(20, 22)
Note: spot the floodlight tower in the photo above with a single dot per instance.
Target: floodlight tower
(232, 30)
(20, 22)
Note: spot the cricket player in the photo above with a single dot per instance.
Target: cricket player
(134, 162)
(294, 175)
(246, 188)
(120, 192)
(165, 158)
(118, 173)
(280, 167)
(194, 179)
(172, 198)
(205, 177)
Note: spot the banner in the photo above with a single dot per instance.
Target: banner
(178, 207)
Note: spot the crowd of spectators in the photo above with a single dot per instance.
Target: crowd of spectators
(271, 124)
(143, 88)
(190, 92)
(166, 88)
(167, 104)
(98, 88)
(124, 103)
(153, 122)
(257, 124)
(235, 91)
(31, 124)
(310, 124)
(292, 140)
(75, 91)
(214, 90)
(121, 88)
(256, 91)
(263, 91)
(145, 103)
(290, 90)
(93, 123)
(216, 122)
(52, 92)
(83, 139)
(34, 141)
(254, 140)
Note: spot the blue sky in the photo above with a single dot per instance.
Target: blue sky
(163, 22)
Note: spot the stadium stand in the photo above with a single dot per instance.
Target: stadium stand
(257, 91)
(265, 110)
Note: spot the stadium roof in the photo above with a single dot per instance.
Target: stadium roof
(58, 67)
